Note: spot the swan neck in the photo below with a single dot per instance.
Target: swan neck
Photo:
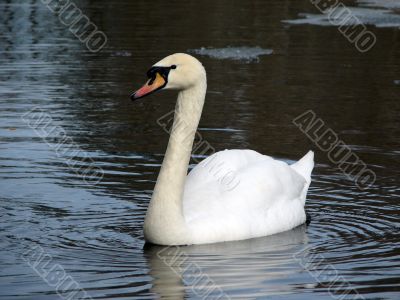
(165, 222)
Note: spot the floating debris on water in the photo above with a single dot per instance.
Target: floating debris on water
(248, 54)
(385, 16)
(389, 4)
(122, 53)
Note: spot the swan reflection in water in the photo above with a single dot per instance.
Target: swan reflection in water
(251, 268)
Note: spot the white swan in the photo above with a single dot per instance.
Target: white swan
(267, 196)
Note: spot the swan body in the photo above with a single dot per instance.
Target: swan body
(232, 194)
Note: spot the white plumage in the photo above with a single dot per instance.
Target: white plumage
(231, 195)
(239, 194)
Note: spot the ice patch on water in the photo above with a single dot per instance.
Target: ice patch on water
(386, 16)
(247, 54)
(388, 4)
(121, 53)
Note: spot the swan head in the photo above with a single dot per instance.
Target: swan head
(175, 72)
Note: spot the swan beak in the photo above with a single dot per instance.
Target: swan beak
(153, 85)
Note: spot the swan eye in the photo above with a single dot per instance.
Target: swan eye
(173, 67)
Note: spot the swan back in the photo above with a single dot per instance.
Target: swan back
(267, 196)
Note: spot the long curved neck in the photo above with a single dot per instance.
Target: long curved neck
(165, 223)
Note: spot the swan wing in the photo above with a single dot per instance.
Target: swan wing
(237, 194)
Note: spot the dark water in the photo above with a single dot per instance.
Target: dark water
(93, 232)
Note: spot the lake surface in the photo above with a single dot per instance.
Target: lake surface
(262, 74)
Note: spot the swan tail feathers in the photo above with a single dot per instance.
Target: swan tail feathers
(305, 166)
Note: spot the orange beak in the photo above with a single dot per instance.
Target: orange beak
(154, 84)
